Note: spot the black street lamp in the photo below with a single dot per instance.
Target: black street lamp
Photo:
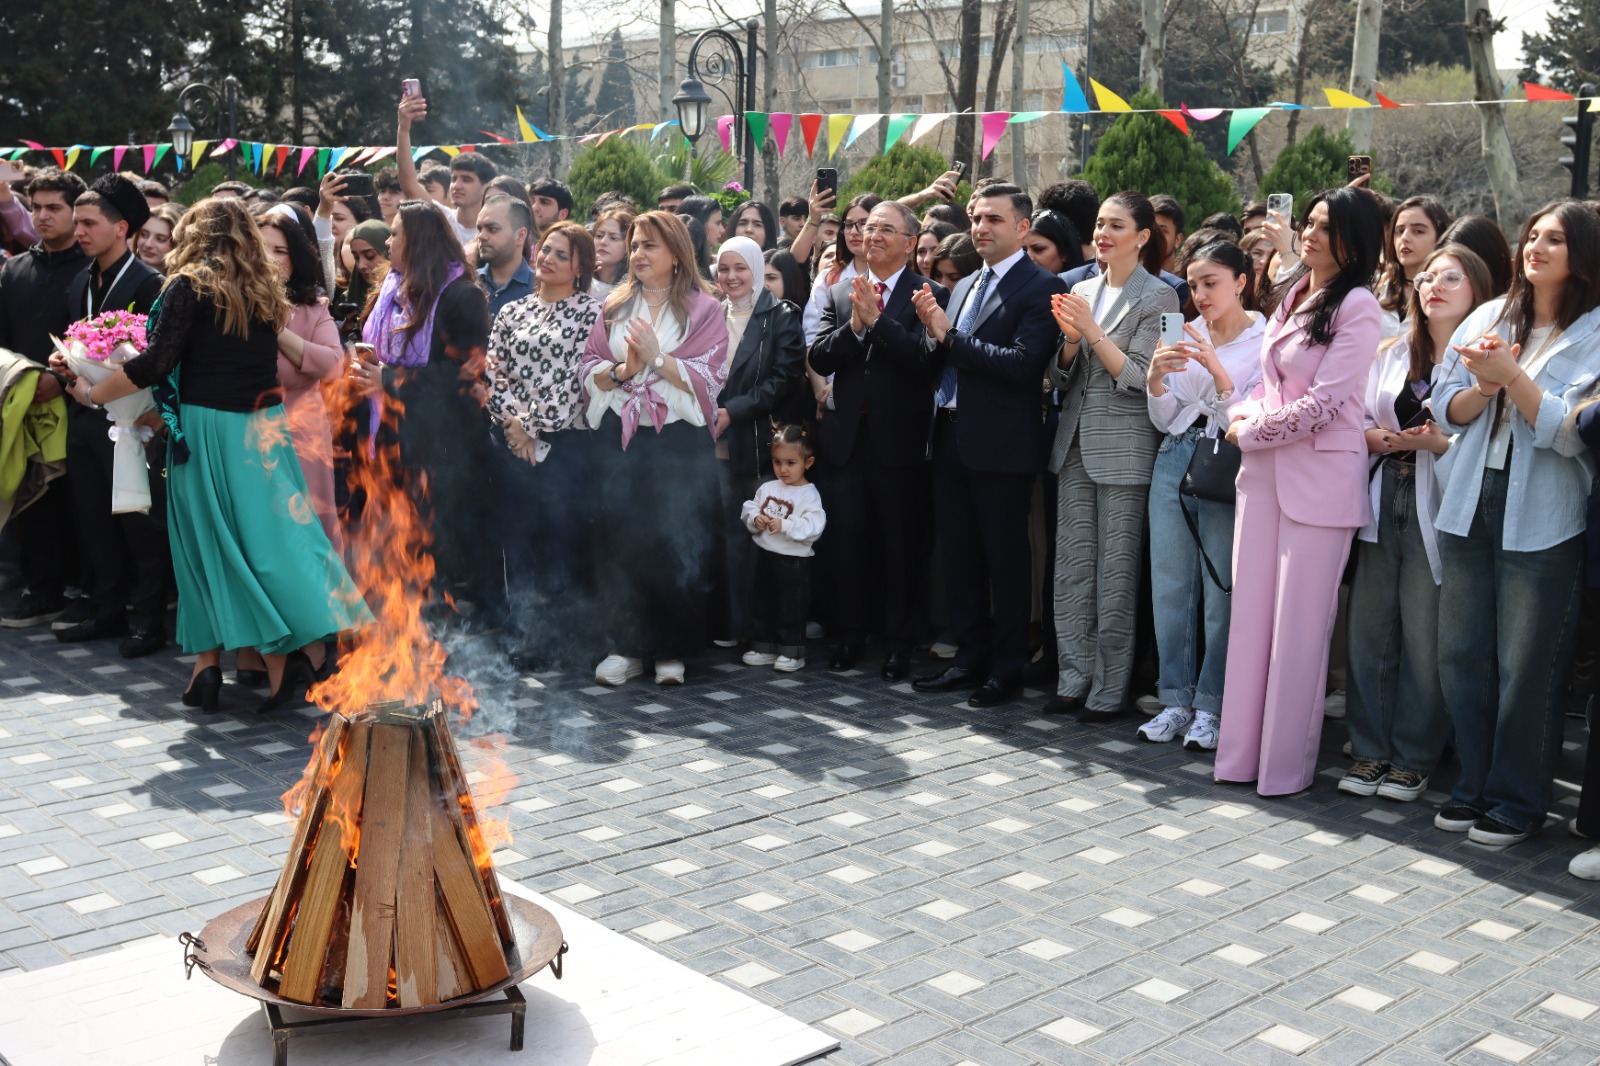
(693, 99)
(181, 130)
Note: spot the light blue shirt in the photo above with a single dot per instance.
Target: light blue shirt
(1551, 468)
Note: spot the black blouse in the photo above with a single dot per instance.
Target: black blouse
(220, 370)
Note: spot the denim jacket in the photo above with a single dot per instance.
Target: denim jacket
(1550, 468)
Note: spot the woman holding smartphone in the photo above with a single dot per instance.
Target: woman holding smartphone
(1302, 494)
(1191, 385)
(1104, 451)
(1511, 523)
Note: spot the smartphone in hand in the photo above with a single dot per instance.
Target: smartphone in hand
(12, 170)
(411, 87)
(1358, 165)
(1172, 328)
(828, 181)
(1281, 204)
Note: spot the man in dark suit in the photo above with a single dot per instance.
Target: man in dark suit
(988, 443)
(129, 552)
(874, 444)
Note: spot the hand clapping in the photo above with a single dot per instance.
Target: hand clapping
(863, 304)
(1491, 361)
(930, 313)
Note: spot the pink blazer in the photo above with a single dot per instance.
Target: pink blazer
(1308, 410)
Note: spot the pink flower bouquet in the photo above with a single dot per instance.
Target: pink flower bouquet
(94, 350)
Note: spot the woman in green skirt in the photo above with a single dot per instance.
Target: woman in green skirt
(253, 564)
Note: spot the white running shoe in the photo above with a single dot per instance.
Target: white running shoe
(617, 669)
(787, 665)
(758, 658)
(943, 650)
(1333, 704)
(1202, 736)
(669, 671)
(1586, 866)
(1167, 725)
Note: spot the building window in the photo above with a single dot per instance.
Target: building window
(833, 57)
(1265, 23)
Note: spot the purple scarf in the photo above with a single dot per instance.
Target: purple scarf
(385, 331)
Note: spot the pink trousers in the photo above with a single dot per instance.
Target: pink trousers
(1285, 596)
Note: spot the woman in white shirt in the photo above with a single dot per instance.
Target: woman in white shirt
(1395, 708)
(653, 368)
(610, 251)
(1189, 388)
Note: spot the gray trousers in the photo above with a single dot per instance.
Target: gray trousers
(1099, 536)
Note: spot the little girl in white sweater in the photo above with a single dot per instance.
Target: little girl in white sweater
(786, 518)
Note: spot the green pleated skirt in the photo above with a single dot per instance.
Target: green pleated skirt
(253, 565)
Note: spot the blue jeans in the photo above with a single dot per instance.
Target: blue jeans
(1507, 630)
(1191, 674)
(1395, 710)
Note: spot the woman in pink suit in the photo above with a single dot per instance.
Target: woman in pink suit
(1302, 494)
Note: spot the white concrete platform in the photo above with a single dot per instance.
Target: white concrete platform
(619, 1004)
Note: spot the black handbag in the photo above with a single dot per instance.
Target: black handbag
(1213, 469)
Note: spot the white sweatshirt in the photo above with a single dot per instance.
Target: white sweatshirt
(799, 507)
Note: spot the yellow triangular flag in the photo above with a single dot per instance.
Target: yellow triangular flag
(197, 151)
(267, 152)
(838, 126)
(1108, 100)
(72, 157)
(1594, 104)
(527, 130)
(450, 150)
(1340, 98)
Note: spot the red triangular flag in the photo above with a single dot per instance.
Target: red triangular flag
(809, 125)
(1177, 119)
(1539, 92)
(496, 136)
(61, 158)
(468, 147)
(1384, 101)
(283, 155)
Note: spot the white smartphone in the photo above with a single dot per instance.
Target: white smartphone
(1282, 205)
(1172, 328)
(12, 170)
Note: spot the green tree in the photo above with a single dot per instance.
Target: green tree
(1150, 154)
(904, 169)
(1567, 54)
(613, 96)
(1414, 33)
(1319, 160)
(621, 164)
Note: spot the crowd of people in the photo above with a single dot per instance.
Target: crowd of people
(1339, 445)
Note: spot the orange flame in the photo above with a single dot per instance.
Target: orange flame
(491, 782)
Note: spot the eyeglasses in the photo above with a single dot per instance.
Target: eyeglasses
(880, 231)
(854, 226)
(1450, 279)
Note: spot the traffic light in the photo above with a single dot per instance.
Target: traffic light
(1578, 141)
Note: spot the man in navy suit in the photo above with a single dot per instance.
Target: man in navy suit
(874, 444)
(988, 443)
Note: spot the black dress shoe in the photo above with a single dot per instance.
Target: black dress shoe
(844, 657)
(296, 673)
(142, 641)
(250, 678)
(896, 665)
(953, 679)
(1089, 717)
(994, 692)
(1063, 705)
(92, 629)
(205, 690)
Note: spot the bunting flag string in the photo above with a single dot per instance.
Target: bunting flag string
(843, 130)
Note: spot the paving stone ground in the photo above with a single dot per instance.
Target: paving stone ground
(936, 885)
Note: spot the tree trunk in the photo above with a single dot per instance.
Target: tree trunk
(1152, 45)
(770, 161)
(968, 39)
(885, 66)
(557, 90)
(1364, 71)
(1019, 58)
(1496, 140)
(667, 64)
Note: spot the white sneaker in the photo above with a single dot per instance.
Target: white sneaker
(1586, 866)
(942, 650)
(1574, 831)
(758, 658)
(669, 671)
(1202, 736)
(616, 669)
(786, 665)
(726, 643)
(814, 631)
(1150, 705)
(1333, 705)
(1166, 725)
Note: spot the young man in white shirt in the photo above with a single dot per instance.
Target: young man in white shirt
(469, 173)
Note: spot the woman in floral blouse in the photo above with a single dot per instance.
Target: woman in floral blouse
(536, 405)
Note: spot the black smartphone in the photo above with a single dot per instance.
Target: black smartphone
(357, 185)
(960, 167)
(828, 181)
(1358, 165)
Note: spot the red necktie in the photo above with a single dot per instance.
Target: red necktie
(882, 288)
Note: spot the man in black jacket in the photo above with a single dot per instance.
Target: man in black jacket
(33, 306)
(128, 553)
(874, 444)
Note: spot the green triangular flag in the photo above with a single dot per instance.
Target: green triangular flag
(1242, 121)
(757, 121)
(94, 156)
(898, 124)
(161, 150)
(322, 161)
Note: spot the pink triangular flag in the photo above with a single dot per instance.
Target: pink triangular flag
(306, 156)
(1201, 114)
(381, 153)
(116, 156)
(149, 157)
(994, 127)
(778, 125)
(725, 132)
(35, 145)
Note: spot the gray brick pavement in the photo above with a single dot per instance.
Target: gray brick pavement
(937, 886)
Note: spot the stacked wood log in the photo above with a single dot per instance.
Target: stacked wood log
(388, 898)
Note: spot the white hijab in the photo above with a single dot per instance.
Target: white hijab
(750, 252)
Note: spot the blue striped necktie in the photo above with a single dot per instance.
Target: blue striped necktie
(969, 314)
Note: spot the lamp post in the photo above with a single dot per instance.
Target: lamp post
(693, 100)
(181, 130)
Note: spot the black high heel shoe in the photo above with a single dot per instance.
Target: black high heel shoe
(204, 690)
(296, 672)
(250, 678)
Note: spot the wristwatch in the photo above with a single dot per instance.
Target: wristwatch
(660, 361)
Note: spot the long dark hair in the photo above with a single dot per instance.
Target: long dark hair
(1582, 289)
(1227, 254)
(842, 256)
(1392, 288)
(1483, 235)
(1419, 338)
(796, 289)
(769, 225)
(1138, 205)
(959, 249)
(1355, 232)
(1058, 229)
(305, 267)
(430, 248)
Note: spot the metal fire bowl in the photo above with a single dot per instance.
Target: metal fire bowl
(219, 951)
